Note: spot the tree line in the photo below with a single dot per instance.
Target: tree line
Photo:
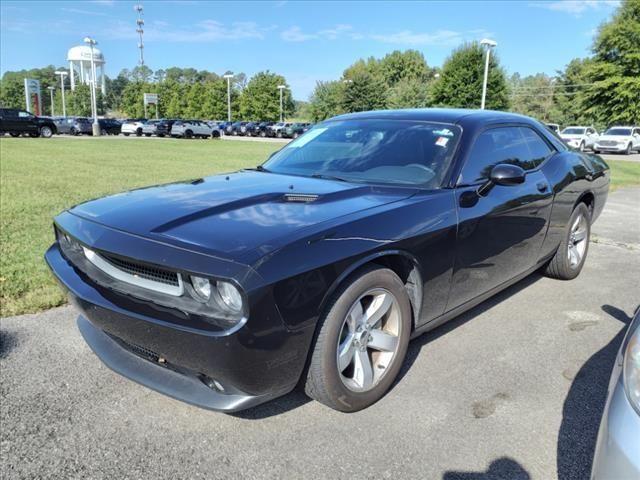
(600, 90)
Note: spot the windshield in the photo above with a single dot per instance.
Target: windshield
(573, 131)
(619, 132)
(371, 151)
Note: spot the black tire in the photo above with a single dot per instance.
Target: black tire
(188, 134)
(14, 134)
(581, 147)
(323, 381)
(597, 152)
(138, 132)
(126, 134)
(629, 149)
(147, 134)
(46, 131)
(560, 266)
(73, 131)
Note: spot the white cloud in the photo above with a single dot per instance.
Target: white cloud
(202, 32)
(408, 37)
(296, 34)
(574, 7)
(79, 11)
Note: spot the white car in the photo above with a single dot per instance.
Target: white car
(133, 126)
(580, 138)
(191, 129)
(619, 139)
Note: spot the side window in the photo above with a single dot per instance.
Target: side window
(494, 146)
(23, 114)
(538, 149)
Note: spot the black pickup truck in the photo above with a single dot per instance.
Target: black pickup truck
(17, 122)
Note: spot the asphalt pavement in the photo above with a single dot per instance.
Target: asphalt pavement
(513, 389)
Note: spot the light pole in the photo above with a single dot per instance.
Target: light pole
(489, 44)
(51, 89)
(94, 107)
(62, 74)
(228, 76)
(281, 88)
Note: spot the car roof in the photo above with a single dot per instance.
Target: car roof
(443, 115)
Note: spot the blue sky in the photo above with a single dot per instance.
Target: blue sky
(305, 41)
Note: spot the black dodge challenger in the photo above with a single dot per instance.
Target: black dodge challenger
(317, 267)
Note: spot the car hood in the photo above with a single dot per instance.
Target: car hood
(230, 216)
(615, 138)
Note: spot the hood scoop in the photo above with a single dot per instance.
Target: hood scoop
(300, 197)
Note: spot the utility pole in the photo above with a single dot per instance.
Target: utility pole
(140, 30)
(62, 74)
(229, 76)
(489, 44)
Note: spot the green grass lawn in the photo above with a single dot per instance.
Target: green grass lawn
(40, 178)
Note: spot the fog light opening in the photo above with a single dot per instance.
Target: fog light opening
(211, 383)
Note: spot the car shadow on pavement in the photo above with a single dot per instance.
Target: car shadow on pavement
(416, 345)
(290, 401)
(8, 341)
(499, 469)
(584, 405)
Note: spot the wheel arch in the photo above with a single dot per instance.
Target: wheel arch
(588, 198)
(400, 262)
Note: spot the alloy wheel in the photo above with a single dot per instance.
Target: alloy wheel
(577, 241)
(369, 340)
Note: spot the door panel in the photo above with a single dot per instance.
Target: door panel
(499, 235)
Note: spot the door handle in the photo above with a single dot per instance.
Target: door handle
(542, 187)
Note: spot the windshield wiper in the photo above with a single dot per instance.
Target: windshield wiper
(259, 168)
(328, 177)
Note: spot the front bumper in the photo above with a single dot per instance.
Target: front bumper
(173, 353)
(610, 148)
(617, 452)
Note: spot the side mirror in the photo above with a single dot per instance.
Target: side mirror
(503, 174)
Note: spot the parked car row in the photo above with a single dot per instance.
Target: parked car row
(619, 139)
(265, 129)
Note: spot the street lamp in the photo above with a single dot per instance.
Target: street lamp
(281, 88)
(62, 74)
(94, 107)
(51, 89)
(489, 44)
(228, 76)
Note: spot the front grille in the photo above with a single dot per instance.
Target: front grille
(608, 143)
(137, 349)
(141, 270)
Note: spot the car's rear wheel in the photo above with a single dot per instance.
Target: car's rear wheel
(46, 131)
(188, 134)
(147, 134)
(569, 259)
(73, 131)
(14, 134)
(361, 343)
(126, 134)
(138, 132)
(296, 135)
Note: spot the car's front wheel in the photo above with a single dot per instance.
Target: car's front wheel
(362, 341)
(46, 131)
(569, 259)
(629, 149)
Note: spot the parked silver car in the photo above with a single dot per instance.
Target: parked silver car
(617, 453)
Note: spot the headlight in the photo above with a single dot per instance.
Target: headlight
(202, 287)
(230, 296)
(631, 370)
